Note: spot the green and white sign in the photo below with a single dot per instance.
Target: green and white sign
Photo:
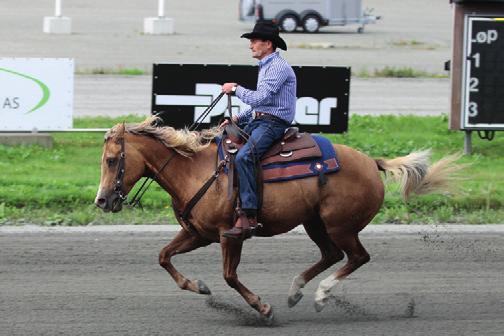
(36, 93)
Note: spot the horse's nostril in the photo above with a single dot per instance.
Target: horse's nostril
(100, 202)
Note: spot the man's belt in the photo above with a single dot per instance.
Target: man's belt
(268, 116)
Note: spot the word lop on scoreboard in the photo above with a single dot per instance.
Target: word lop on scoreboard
(483, 73)
(182, 92)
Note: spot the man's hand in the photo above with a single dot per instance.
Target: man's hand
(226, 122)
(228, 87)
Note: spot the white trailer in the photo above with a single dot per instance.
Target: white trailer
(309, 15)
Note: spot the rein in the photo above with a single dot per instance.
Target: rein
(119, 181)
(148, 180)
(184, 215)
(145, 185)
(210, 107)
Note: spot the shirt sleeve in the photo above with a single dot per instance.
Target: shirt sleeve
(274, 76)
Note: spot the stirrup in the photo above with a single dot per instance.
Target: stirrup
(246, 229)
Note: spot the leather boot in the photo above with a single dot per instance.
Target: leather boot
(243, 229)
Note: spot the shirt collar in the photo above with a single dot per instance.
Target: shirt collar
(268, 59)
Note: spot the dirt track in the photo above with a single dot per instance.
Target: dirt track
(424, 283)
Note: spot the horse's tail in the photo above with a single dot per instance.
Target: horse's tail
(416, 175)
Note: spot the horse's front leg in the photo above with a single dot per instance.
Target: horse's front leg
(231, 253)
(182, 243)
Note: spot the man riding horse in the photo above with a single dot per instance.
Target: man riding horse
(272, 109)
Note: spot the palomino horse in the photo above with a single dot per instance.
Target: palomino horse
(332, 214)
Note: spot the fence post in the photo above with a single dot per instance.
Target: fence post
(161, 8)
(57, 9)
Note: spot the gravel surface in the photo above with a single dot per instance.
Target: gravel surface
(427, 282)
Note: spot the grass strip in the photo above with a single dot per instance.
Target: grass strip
(397, 72)
(57, 186)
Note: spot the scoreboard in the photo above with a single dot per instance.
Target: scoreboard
(483, 73)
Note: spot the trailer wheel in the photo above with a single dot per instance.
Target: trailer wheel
(288, 23)
(311, 23)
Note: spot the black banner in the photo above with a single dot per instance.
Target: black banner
(181, 92)
(483, 86)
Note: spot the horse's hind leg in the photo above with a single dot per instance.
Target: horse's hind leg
(357, 256)
(330, 254)
(182, 243)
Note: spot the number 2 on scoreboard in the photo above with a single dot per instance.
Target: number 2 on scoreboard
(473, 84)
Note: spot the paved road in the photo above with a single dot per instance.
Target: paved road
(98, 282)
(109, 35)
(131, 95)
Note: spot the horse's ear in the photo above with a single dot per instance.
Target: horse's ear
(119, 133)
(121, 129)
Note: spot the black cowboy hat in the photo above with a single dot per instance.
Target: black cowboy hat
(267, 30)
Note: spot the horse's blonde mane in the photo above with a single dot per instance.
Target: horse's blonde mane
(182, 141)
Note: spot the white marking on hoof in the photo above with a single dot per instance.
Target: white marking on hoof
(294, 292)
(268, 318)
(323, 291)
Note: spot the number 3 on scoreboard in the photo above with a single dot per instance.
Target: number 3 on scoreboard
(472, 109)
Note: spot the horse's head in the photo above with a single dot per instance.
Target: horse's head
(122, 165)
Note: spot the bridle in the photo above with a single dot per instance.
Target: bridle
(119, 180)
(182, 215)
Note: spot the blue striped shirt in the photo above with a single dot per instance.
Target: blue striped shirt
(276, 90)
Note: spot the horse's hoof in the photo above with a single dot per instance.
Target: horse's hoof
(266, 310)
(202, 288)
(319, 306)
(267, 314)
(294, 299)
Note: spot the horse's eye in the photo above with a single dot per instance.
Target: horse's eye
(111, 162)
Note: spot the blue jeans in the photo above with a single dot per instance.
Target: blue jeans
(263, 133)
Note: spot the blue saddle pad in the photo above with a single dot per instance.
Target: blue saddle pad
(286, 171)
